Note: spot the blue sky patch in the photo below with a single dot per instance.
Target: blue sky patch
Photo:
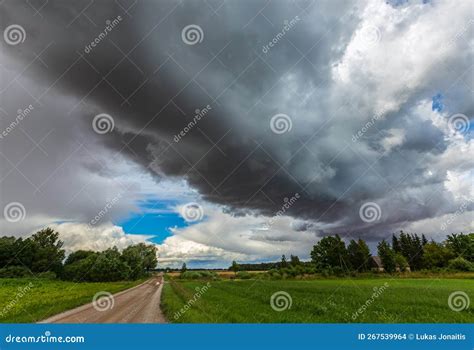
(437, 104)
(155, 218)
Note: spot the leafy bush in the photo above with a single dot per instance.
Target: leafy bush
(460, 264)
(244, 275)
(50, 275)
(15, 271)
(198, 274)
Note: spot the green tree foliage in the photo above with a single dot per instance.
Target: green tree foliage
(461, 264)
(330, 252)
(411, 247)
(234, 267)
(184, 268)
(47, 254)
(359, 255)
(436, 255)
(139, 258)
(294, 260)
(461, 245)
(283, 263)
(400, 262)
(387, 255)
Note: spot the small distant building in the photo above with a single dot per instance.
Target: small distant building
(376, 264)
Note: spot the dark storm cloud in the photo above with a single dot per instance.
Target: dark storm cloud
(152, 83)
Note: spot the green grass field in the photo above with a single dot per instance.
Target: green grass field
(22, 302)
(319, 301)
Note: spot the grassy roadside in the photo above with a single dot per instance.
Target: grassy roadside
(319, 301)
(28, 300)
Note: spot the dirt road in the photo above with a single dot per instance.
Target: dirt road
(140, 304)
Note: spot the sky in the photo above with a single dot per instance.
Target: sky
(223, 130)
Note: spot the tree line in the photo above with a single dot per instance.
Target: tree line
(42, 255)
(406, 251)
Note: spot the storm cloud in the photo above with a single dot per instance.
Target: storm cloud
(330, 100)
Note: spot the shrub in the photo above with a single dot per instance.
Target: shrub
(244, 275)
(198, 274)
(50, 275)
(15, 271)
(460, 264)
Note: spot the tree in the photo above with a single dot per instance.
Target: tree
(436, 255)
(184, 268)
(47, 252)
(400, 262)
(387, 255)
(78, 255)
(294, 260)
(358, 255)
(330, 252)
(109, 266)
(396, 244)
(461, 245)
(140, 257)
(283, 262)
(235, 267)
(411, 247)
